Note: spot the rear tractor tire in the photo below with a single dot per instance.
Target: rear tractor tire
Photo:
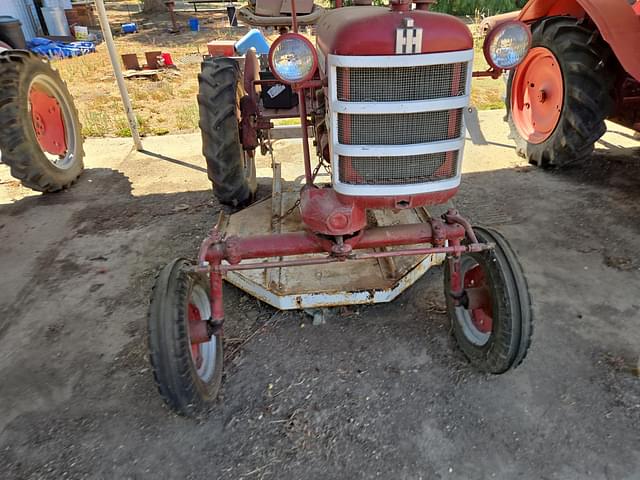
(559, 96)
(40, 134)
(230, 169)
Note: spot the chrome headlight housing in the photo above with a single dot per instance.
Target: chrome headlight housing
(507, 45)
(293, 58)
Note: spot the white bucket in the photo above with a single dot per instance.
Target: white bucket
(82, 33)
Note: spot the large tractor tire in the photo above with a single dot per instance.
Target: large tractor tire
(559, 96)
(40, 134)
(230, 169)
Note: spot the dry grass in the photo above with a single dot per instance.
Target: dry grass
(486, 93)
(168, 105)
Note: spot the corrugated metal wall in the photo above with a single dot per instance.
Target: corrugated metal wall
(25, 11)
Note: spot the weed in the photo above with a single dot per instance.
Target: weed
(470, 7)
(187, 117)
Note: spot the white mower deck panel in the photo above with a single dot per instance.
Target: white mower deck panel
(329, 285)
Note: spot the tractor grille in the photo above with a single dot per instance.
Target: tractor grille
(405, 170)
(398, 122)
(423, 82)
(399, 128)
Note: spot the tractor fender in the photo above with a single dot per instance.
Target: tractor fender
(490, 23)
(616, 20)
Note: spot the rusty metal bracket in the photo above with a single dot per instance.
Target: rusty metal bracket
(452, 216)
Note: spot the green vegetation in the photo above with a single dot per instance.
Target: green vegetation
(187, 116)
(473, 7)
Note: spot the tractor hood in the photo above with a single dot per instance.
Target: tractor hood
(372, 31)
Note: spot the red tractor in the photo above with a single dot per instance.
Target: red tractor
(40, 134)
(583, 68)
(383, 92)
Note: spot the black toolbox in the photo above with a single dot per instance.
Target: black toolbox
(277, 95)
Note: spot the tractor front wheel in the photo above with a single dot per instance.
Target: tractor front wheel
(559, 96)
(187, 370)
(230, 169)
(492, 323)
(40, 137)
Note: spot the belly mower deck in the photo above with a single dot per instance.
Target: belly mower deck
(375, 280)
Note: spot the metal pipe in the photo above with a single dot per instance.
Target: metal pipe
(452, 250)
(265, 246)
(305, 135)
(410, 234)
(117, 71)
(279, 116)
(301, 262)
(217, 305)
(236, 249)
(294, 16)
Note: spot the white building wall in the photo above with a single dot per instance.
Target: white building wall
(23, 10)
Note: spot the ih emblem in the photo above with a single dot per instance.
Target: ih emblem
(408, 38)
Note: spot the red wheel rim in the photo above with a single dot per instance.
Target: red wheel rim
(481, 310)
(203, 346)
(48, 122)
(196, 354)
(537, 95)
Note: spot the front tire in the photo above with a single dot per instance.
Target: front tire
(188, 375)
(559, 96)
(40, 134)
(230, 169)
(496, 335)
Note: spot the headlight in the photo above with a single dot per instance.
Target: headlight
(507, 45)
(292, 58)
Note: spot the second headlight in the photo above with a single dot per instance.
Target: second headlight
(507, 45)
(293, 58)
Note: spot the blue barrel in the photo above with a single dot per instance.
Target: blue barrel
(194, 24)
(253, 39)
(129, 28)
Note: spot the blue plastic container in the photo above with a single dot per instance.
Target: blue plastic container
(194, 24)
(253, 39)
(129, 28)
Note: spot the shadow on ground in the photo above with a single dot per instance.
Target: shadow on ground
(377, 391)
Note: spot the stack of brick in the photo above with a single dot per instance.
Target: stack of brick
(82, 14)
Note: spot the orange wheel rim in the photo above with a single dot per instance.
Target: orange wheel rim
(537, 95)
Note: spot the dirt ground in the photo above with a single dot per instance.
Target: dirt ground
(376, 392)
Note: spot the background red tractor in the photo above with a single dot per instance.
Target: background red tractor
(383, 93)
(40, 134)
(583, 68)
